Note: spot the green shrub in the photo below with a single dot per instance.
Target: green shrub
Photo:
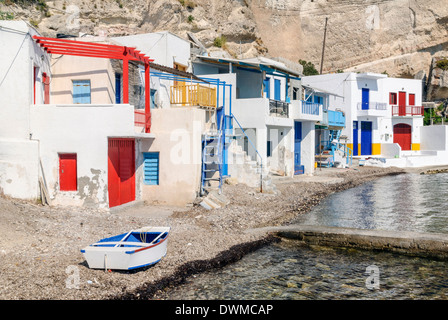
(6, 16)
(220, 42)
(442, 64)
(308, 68)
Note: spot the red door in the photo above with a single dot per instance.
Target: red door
(121, 171)
(402, 135)
(401, 103)
(68, 172)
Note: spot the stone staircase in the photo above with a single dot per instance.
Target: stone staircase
(248, 171)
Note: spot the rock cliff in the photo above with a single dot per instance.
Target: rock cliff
(400, 37)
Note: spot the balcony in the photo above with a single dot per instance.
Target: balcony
(336, 119)
(373, 109)
(407, 111)
(278, 108)
(305, 111)
(311, 108)
(193, 95)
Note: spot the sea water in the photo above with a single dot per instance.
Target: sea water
(288, 270)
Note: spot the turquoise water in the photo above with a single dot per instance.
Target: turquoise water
(289, 271)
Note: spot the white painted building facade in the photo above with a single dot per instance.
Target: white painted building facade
(268, 106)
(22, 64)
(376, 108)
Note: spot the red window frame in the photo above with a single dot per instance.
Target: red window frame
(393, 98)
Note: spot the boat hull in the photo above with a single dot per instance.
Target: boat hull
(124, 257)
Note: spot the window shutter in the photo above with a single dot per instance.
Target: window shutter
(151, 168)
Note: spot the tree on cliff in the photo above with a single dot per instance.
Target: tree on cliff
(308, 68)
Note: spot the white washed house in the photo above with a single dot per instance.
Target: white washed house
(279, 128)
(384, 117)
(64, 138)
(24, 77)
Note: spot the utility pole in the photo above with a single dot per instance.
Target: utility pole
(323, 46)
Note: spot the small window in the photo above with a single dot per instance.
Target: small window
(151, 168)
(269, 149)
(118, 88)
(81, 91)
(68, 176)
(393, 98)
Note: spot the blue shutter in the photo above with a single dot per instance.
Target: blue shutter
(267, 88)
(277, 89)
(151, 168)
(81, 91)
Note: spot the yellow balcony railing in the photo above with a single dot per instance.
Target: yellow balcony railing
(193, 95)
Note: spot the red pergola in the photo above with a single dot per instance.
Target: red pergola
(108, 51)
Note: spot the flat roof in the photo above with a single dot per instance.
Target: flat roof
(257, 63)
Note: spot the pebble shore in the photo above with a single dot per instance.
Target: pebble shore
(40, 256)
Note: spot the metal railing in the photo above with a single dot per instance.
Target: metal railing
(139, 118)
(310, 108)
(279, 108)
(372, 106)
(407, 111)
(193, 95)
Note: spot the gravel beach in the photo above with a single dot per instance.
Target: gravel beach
(40, 246)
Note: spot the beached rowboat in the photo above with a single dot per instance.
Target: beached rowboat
(135, 249)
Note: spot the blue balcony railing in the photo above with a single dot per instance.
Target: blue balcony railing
(310, 108)
(336, 118)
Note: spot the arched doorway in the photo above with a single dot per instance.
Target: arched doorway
(402, 135)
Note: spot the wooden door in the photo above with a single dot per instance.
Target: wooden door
(401, 103)
(68, 172)
(403, 136)
(121, 171)
(366, 138)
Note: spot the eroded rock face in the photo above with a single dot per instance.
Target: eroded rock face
(437, 87)
(397, 36)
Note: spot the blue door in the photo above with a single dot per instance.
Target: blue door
(365, 99)
(81, 91)
(355, 138)
(298, 168)
(366, 138)
(277, 89)
(267, 87)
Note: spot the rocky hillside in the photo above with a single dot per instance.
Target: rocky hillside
(401, 37)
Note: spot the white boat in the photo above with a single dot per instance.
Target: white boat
(135, 249)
